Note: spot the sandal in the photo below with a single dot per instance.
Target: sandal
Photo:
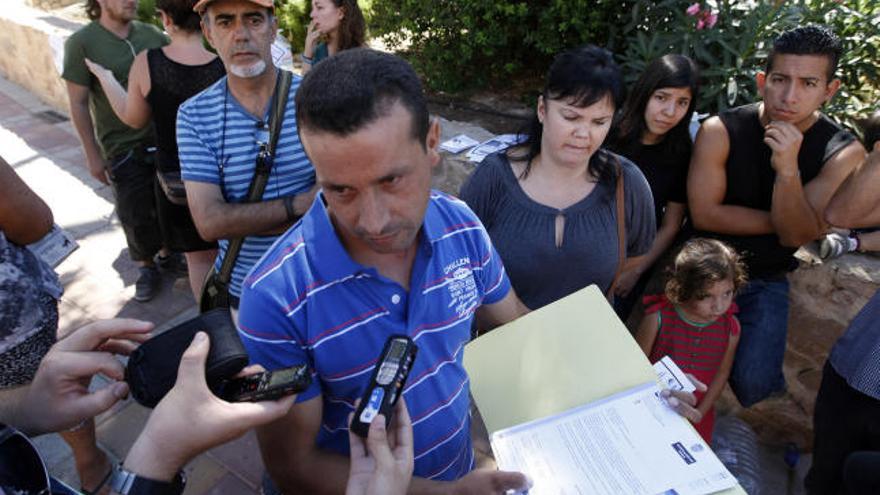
(97, 489)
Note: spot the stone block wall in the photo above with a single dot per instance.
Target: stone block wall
(51, 4)
(31, 47)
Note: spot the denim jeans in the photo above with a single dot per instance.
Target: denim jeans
(763, 315)
(132, 176)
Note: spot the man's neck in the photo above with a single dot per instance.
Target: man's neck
(254, 93)
(115, 26)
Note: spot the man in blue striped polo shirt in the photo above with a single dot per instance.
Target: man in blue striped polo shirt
(377, 254)
(220, 132)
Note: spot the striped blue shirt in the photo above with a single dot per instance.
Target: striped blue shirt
(219, 141)
(856, 356)
(308, 302)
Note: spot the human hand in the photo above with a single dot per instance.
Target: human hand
(483, 481)
(98, 169)
(98, 70)
(685, 403)
(313, 36)
(784, 140)
(190, 419)
(58, 397)
(383, 463)
(626, 281)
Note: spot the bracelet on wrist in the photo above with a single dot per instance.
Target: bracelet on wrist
(288, 208)
(306, 60)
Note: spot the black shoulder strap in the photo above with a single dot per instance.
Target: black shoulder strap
(265, 160)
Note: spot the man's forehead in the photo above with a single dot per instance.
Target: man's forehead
(229, 7)
(800, 66)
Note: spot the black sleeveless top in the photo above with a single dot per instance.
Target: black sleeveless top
(171, 84)
(750, 180)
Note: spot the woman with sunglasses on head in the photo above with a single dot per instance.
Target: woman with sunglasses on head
(336, 25)
(652, 131)
(159, 81)
(551, 205)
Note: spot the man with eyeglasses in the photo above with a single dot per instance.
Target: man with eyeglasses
(115, 153)
(221, 131)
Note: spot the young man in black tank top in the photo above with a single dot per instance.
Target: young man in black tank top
(760, 178)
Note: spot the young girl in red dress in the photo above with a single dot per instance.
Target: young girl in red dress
(693, 322)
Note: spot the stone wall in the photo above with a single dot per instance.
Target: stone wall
(31, 47)
(825, 296)
(51, 4)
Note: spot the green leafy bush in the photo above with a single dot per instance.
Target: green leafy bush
(732, 51)
(459, 44)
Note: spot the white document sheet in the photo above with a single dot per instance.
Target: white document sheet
(629, 443)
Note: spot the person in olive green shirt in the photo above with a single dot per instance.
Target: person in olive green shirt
(115, 153)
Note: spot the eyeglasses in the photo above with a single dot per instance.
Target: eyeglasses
(21, 469)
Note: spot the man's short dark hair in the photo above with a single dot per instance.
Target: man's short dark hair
(808, 40)
(352, 89)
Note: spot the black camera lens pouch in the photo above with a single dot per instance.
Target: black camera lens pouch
(152, 367)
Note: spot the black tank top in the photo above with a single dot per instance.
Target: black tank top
(171, 84)
(750, 181)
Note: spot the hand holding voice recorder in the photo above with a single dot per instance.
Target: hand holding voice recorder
(268, 385)
(386, 384)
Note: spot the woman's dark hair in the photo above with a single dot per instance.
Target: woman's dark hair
(669, 71)
(581, 76)
(181, 13)
(93, 9)
(700, 263)
(352, 28)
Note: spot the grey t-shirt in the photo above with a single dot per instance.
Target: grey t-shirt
(524, 231)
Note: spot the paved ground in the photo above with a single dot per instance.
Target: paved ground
(99, 280)
(99, 283)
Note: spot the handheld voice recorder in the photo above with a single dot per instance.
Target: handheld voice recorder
(268, 385)
(386, 384)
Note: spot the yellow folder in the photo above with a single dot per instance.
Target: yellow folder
(566, 354)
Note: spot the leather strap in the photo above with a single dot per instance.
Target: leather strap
(621, 228)
(265, 161)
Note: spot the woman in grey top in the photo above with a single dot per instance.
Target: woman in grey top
(550, 205)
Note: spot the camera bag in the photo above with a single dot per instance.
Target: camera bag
(152, 367)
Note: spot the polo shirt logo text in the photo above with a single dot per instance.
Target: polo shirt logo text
(462, 286)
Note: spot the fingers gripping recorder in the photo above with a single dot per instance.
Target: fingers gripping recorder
(386, 384)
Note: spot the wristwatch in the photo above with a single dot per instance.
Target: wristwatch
(125, 482)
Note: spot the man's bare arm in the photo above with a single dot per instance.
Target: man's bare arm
(217, 219)
(504, 311)
(796, 210)
(707, 186)
(856, 203)
(82, 121)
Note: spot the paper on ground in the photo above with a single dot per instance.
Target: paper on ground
(629, 443)
(458, 143)
(567, 354)
(494, 145)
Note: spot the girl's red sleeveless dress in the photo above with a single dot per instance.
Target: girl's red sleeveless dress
(696, 349)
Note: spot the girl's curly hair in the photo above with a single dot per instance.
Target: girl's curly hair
(698, 264)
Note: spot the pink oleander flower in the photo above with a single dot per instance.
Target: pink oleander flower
(693, 10)
(711, 20)
(700, 24)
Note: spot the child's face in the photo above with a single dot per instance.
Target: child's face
(713, 304)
